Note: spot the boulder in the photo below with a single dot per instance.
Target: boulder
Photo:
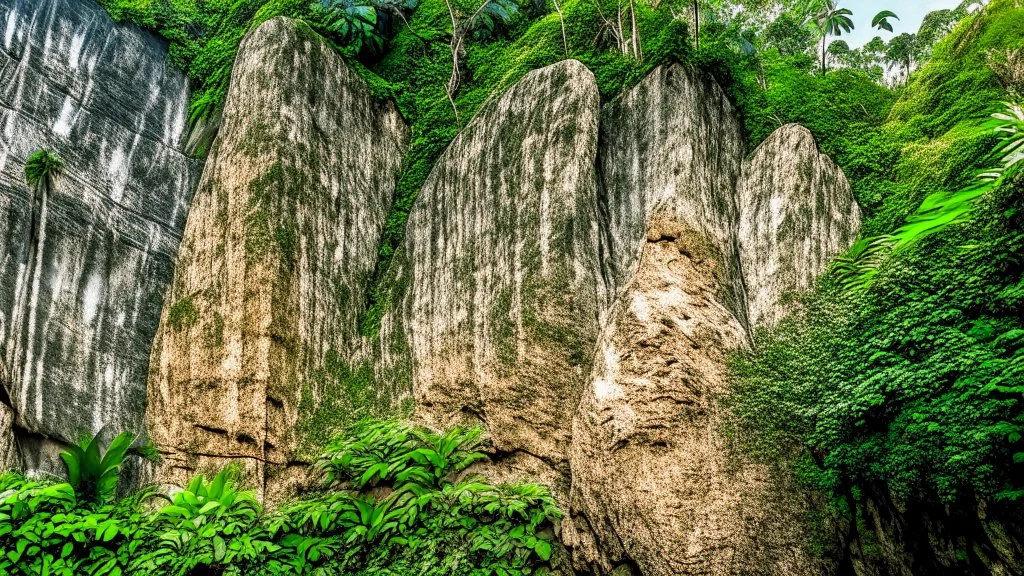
(262, 316)
(797, 212)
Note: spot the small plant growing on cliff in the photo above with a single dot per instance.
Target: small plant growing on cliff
(41, 167)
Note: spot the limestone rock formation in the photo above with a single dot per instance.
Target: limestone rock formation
(655, 481)
(580, 301)
(281, 238)
(796, 213)
(500, 273)
(672, 146)
(656, 484)
(77, 319)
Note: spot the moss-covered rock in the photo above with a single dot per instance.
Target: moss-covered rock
(269, 285)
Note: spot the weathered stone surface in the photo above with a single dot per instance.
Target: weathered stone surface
(580, 301)
(655, 481)
(272, 270)
(672, 146)
(10, 457)
(77, 320)
(499, 275)
(796, 213)
(656, 484)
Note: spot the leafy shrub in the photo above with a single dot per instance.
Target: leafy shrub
(912, 385)
(92, 476)
(395, 500)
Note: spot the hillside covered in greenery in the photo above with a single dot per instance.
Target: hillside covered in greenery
(892, 394)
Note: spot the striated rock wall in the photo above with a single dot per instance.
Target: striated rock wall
(673, 147)
(499, 273)
(77, 319)
(796, 212)
(656, 483)
(270, 279)
(573, 280)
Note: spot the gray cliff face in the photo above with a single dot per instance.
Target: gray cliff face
(270, 279)
(796, 213)
(77, 319)
(499, 272)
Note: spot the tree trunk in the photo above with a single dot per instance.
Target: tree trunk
(638, 52)
(823, 38)
(561, 20)
(696, 25)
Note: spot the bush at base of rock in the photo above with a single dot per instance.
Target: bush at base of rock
(394, 501)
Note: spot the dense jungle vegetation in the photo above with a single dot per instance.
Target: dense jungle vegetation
(899, 376)
(391, 501)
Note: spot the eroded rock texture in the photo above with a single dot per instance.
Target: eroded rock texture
(672, 146)
(656, 484)
(580, 300)
(270, 279)
(77, 317)
(499, 272)
(796, 213)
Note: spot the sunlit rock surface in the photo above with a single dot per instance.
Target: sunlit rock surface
(271, 276)
(77, 321)
(672, 146)
(572, 280)
(499, 278)
(655, 481)
(796, 213)
(656, 484)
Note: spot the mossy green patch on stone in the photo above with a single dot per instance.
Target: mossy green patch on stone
(270, 221)
(182, 314)
(335, 396)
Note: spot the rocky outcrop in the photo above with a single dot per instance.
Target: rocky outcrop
(270, 279)
(656, 483)
(499, 271)
(673, 147)
(580, 301)
(77, 319)
(796, 212)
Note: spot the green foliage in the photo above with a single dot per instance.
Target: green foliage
(881, 20)
(913, 383)
(898, 374)
(94, 476)
(856, 269)
(396, 500)
(41, 166)
(204, 36)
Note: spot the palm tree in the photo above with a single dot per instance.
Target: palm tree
(832, 21)
(902, 51)
(881, 20)
(41, 169)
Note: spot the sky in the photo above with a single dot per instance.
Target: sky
(911, 12)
